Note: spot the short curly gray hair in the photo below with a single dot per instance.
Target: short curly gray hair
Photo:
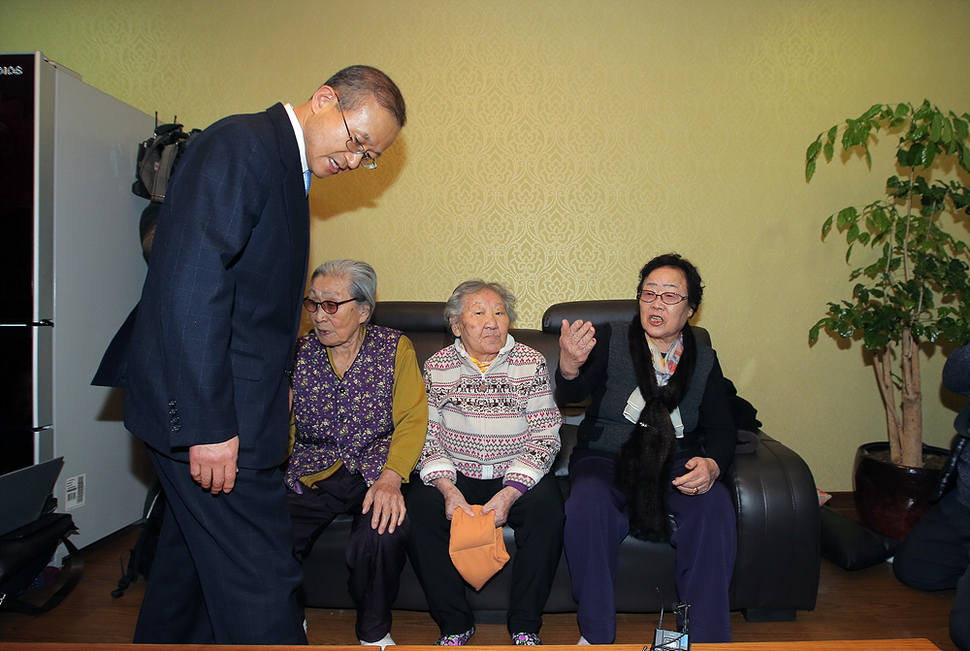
(456, 303)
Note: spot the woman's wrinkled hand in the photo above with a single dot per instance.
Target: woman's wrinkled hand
(576, 340)
(386, 498)
(701, 474)
(501, 502)
(453, 498)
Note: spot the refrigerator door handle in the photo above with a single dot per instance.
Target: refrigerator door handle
(29, 324)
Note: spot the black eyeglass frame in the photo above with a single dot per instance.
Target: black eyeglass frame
(354, 146)
(663, 297)
(312, 306)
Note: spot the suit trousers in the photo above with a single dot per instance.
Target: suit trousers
(705, 540)
(537, 520)
(936, 556)
(224, 571)
(375, 559)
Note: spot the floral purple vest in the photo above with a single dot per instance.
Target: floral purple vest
(350, 419)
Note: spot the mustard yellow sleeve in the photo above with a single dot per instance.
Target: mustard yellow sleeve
(410, 412)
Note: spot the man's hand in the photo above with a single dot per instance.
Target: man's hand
(501, 502)
(213, 466)
(388, 502)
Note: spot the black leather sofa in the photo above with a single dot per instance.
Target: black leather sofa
(777, 568)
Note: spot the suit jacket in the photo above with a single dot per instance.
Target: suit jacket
(207, 352)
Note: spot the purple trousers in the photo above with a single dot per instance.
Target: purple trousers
(705, 541)
(375, 560)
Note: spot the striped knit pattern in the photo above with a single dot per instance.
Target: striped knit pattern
(500, 423)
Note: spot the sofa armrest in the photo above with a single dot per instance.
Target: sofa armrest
(778, 530)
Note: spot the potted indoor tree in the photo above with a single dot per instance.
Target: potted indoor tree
(913, 287)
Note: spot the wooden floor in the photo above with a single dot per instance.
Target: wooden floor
(865, 604)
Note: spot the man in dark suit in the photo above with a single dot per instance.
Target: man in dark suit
(936, 553)
(206, 356)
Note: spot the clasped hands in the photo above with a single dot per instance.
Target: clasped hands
(500, 503)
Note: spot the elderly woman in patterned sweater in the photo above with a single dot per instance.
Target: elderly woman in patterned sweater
(493, 433)
(359, 420)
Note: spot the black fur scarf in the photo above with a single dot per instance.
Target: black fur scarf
(643, 469)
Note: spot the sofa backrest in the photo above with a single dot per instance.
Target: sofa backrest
(424, 324)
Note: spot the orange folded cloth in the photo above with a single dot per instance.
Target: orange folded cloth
(477, 548)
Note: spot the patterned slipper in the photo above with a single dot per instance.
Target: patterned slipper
(456, 639)
(526, 639)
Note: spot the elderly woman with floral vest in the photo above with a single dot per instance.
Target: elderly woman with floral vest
(493, 433)
(360, 416)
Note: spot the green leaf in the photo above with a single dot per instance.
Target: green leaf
(936, 127)
(881, 220)
(961, 128)
(847, 216)
(810, 169)
(923, 112)
(874, 110)
(827, 226)
(813, 149)
(813, 332)
(834, 131)
(853, 233)
(947, 136)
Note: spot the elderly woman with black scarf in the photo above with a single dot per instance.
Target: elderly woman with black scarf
(656, 437)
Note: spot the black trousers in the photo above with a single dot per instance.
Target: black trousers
(936, 556)
(375, 560)
(224, 572)
(537, 519)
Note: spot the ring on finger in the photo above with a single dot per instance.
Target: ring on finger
(694, 491)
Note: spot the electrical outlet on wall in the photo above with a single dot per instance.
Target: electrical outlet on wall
(74, 489)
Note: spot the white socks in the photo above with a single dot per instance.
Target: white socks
(383, 642)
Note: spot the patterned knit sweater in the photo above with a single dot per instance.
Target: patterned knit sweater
(502, 423)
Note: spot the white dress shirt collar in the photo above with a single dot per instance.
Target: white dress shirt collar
(298, 131)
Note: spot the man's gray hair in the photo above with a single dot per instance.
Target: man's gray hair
(362, 277)
(456, 303)
(355, 84)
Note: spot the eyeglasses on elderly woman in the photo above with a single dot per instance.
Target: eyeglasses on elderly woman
(330, 307)
(668, 298)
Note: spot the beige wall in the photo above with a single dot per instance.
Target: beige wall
(556, 145)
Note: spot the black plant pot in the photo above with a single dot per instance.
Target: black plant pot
(890, 498)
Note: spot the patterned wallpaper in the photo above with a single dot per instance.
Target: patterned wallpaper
(556, 145)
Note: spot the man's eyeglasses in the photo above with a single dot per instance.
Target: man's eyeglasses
(330, 307)
(668, 298)
(353, 145)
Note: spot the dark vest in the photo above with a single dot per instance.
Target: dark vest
(611, 430)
